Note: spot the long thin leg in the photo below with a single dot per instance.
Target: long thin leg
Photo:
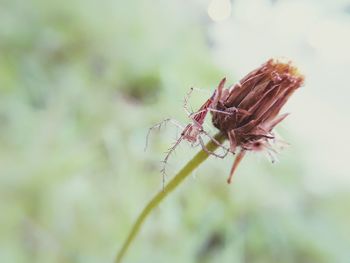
(231, 112)
(216, 141)
(210, 152)
(186, 99)
(165, 160)
(192, 117)
(209, 109)
(159, 125)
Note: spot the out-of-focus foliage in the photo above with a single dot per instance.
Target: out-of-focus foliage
(81, 82)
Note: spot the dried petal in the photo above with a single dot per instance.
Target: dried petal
(248, 112)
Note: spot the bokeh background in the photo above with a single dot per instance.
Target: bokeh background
(82, 81)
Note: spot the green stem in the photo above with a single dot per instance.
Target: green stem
(184, 172)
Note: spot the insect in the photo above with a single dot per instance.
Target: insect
(192, 132)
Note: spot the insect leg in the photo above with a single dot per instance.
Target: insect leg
(220, 111)
(211, 152)
(186, 99)
(159, 125)
(165, 160)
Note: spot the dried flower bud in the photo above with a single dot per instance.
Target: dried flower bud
(248, 111)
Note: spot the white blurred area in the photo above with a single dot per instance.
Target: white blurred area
(315, 35)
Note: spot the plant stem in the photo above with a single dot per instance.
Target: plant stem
(200, 157)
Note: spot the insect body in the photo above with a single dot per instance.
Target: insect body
(193, 131)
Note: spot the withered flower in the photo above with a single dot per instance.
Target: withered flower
(248, 111)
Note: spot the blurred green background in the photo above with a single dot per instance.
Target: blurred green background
(82, 81)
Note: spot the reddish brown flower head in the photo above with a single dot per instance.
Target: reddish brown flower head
(248, 111)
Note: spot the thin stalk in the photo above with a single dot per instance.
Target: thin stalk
(200, 157)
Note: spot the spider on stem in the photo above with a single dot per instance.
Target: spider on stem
(192, 132)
